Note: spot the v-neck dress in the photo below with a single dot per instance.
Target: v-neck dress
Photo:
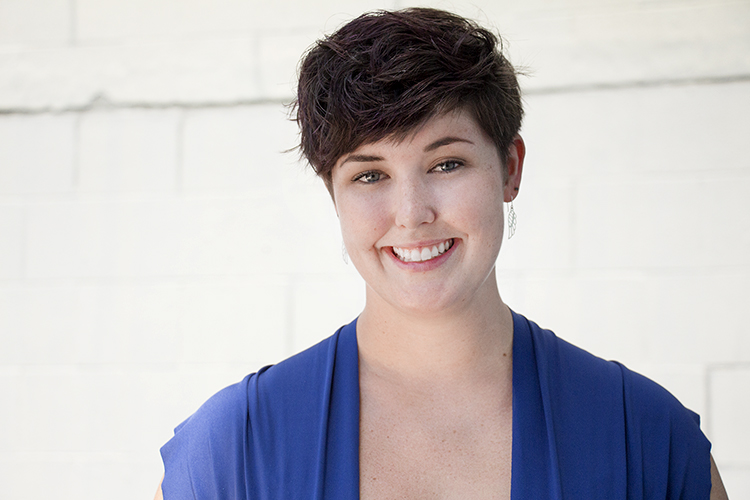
(583, 428)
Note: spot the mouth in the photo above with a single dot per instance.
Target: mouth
(422, 254)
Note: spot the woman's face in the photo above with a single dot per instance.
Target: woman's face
(422, 218)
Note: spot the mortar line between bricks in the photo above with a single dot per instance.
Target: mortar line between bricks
(24, 243)
(179, 154)
(729, 365)
(72, 12)
(76, 160)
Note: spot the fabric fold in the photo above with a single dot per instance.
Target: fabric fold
(583, 428)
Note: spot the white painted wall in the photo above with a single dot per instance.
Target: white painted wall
(157, 245)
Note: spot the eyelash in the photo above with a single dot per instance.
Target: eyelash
(440, 168)
(359, 177)
(457, 164)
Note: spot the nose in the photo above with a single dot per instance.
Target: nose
(415, 204)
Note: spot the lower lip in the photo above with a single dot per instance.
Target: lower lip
(426, 265)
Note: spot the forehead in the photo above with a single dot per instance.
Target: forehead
(439, 130)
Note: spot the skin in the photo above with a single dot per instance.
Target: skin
(434, 336)
(717, 487)
(441, 183)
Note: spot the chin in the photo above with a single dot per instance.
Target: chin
(425, 304)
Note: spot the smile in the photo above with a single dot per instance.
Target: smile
(422, 254)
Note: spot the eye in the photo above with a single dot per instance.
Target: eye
(369, 177)
(447, 166)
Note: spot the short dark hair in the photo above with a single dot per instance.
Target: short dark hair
(386, 72)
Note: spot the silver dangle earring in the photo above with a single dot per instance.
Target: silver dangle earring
(511, 221)
(344, 254)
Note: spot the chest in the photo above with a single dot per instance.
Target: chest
(435, 450)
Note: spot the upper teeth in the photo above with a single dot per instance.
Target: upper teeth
(422, 254)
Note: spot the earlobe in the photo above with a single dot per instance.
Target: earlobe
(516, 155)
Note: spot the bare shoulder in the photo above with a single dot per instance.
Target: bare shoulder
(158, 495)
(717, 486)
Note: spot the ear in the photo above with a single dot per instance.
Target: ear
(516, 154)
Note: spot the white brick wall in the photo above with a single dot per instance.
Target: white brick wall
(730, 411)
(152, 72)
(12, 242)
(156, 244)
(128, 150)
(35, 22)
(37, 154)
(224, 149)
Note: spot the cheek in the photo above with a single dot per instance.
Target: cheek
(479, 205)
(490, 222)
(361, 221)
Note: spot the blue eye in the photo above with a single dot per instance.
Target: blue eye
(368, 177)
(447, 166)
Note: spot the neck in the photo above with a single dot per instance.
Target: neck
(473, 341)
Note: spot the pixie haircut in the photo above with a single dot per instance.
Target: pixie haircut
(385, 73)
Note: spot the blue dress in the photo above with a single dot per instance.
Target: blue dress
(583, 428)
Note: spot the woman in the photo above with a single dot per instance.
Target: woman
(437, 389)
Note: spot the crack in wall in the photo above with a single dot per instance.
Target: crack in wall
(102, 101)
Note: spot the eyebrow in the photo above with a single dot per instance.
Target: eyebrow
(362, 158)
(444, 141)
